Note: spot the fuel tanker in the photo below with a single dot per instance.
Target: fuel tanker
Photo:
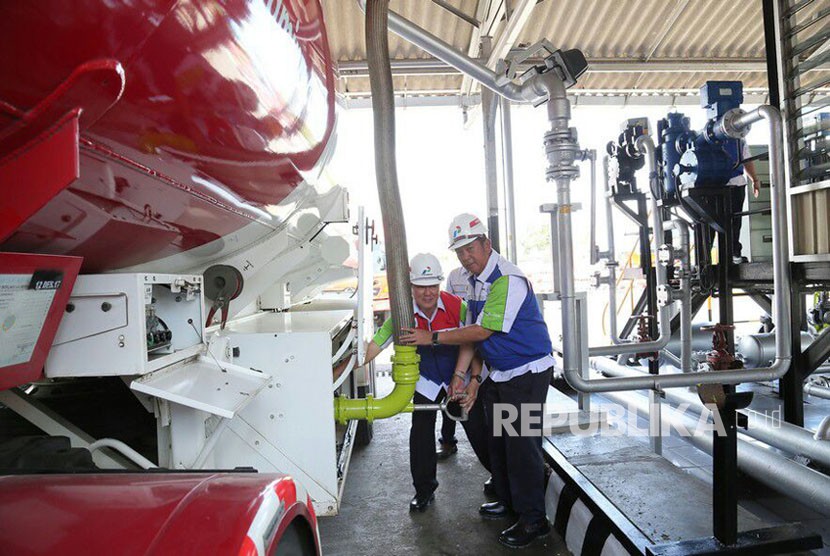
(162, 175)
(203, 126)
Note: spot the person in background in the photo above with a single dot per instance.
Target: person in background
(443, 372)
(505, 322)
(739, 151)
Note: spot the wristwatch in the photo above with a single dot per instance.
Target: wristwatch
(477, 378)
(435, 339)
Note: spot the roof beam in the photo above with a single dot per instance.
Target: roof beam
(432, 66)
(506, 38)
(488, 12)
(510, 34)
(679, 8)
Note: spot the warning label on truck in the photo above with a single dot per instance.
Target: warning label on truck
(23, 311)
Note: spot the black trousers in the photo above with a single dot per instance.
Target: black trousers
(516, 460)
(423, 460)
(476, 427)
(422, 457)
(448, 431)
(738, 196)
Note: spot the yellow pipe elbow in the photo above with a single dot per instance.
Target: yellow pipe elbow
(405, 374)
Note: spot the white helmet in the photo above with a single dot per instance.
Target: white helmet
(465, 228)
(425, 270)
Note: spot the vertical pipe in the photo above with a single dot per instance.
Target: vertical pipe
(570, 355)
(686, 297)
(594, 255)
(509, 197)
(489, 105)
(611, 261)
(561, 149)
(655, 422)
(554, 241)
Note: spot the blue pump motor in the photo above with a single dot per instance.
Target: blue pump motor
(711, 160)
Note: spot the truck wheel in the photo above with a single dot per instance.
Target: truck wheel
(297, 540)
(364, 433)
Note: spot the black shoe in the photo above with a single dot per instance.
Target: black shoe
(446, 450)
(489, 487)
(521, 535)
(420, 503)
(494, 510)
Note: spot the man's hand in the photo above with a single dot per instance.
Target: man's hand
(472, 392)
(416, 337)
(456, 388)
(756, 187)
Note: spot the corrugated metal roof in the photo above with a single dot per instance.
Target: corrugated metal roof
(683, 33)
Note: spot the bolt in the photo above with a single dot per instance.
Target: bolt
(106, 306)
(70, 307)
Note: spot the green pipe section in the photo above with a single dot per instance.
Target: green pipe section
(405, 374)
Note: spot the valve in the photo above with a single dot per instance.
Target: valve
(719, 358)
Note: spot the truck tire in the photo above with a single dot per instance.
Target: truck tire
(364, 433)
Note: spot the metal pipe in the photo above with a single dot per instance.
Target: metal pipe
(682, 228)
(782, 310)
(769, 430)
(780, 474)
(645, 145)
(124, 450)
(489, 102)
(611, 258)
(561, 149)
(818, 391)
(591, 155)
(210, 444)
(529, 92)
(823, 431)
(509, 196)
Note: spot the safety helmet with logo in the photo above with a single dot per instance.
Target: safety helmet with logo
(465, 228)
(425, 270)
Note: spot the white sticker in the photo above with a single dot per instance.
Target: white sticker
(23, 312)
(148, 294)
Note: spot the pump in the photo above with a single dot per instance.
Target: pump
(711, 158)
(624, 158)
(672, 131)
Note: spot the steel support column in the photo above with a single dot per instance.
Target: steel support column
(791, 384)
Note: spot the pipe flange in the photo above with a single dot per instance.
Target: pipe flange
(727, 127)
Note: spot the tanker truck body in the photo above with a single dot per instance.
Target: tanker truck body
(165, 209)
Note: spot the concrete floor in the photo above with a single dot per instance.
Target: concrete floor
(374, 515)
